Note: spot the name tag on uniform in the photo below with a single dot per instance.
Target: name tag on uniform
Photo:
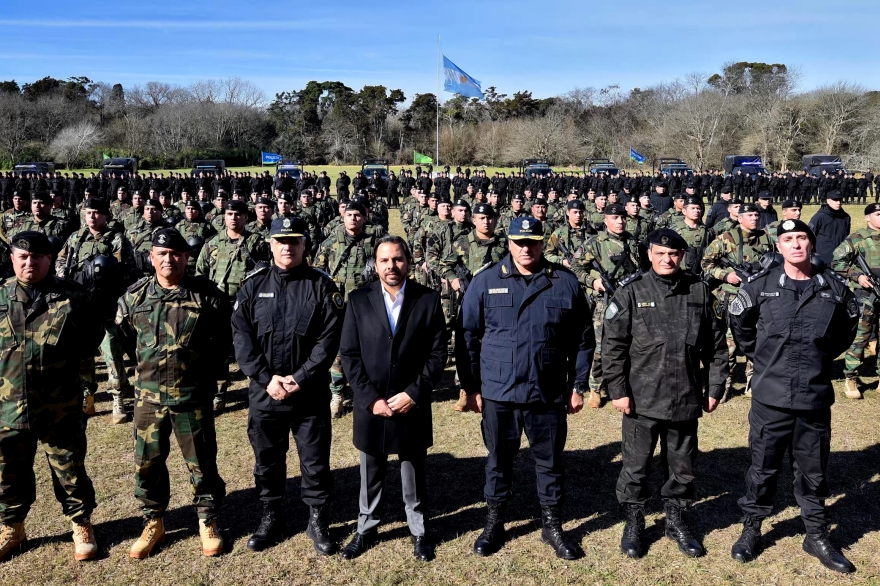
(646, 304)
(265, 295)
(769, 294)
(497, 291)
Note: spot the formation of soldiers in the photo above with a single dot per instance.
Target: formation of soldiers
(103, 228)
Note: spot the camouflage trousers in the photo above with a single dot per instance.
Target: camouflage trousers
(63, 439)
(337, 376)
(193, 426)
(856, 353)
(113, 354)
(597, 381)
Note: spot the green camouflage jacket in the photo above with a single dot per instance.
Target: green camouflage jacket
(198, 228)
(473, 253)
(42, 345)
(446, 233)
(738, 246)
(571, 239)
(180, 338)
(11, 218)
(724, 225)
(311, 215)
(83, 245)
(258, 228)
(865, 242)
(608, 249)
(51, 226)
(639, 227)
(346, 268)
(697, 239)
(227, 262)
(669, 219)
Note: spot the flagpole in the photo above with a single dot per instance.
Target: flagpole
(437, 146)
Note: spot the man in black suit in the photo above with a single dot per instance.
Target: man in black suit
(393, 352)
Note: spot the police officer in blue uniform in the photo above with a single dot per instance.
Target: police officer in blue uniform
(792, 321)
(523, 356)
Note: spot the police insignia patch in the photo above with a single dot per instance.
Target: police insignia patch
(161, 239)
(787, 225)
(852, 308)
(337, 300)
(23, 244)
(611, 311)
(286, 223)
(740, 303)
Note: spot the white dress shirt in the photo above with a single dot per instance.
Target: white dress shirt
(392, 306)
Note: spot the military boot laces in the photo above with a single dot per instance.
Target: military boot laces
(493, 535)
(851, 388)
(84, 545)
(631, 542)
(319, 533)
(818, 545)
(209, 534)
(269, 531)
(553, 535)
(747, 547)
(152, 537)
(12, 538)
(678, 531)
(119, 415)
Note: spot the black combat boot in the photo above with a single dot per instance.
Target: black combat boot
(494, 535)
(748, 545)
(678, 531)
(631, 542)
(270, 530)
(318, 531)
(818, 545)
(553, 536)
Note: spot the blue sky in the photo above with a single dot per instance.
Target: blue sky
(546, 47)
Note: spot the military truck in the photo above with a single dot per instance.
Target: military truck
(23, 168)
(605, 166)
(815, 164)
(748, 164)
(670, 165)
(532, 167)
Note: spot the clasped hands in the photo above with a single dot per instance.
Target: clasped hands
(397, 405)
(281, 387)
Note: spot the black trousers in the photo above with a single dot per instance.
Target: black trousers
(678, 448)
(806, 437)
(269, 433)
(546, 428)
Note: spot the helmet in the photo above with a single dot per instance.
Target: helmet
(196, 243)
(56, 243)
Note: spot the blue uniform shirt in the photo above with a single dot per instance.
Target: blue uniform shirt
(524, 339)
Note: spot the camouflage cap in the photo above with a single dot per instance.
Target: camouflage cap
(525, 228)
(170, 238)
(288, 228)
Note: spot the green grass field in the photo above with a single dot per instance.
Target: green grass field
(455, 482)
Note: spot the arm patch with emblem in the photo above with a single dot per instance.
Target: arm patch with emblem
(612, 310)
(740, 303)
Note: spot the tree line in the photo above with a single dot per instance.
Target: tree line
(745, 108)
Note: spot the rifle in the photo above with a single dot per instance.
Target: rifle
(875, 282)
(607, 282)
(743, 270)
(569, 256)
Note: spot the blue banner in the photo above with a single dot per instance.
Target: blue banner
(459, 82)
(636, 156)
(271, 158)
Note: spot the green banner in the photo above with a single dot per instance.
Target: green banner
(420, 159)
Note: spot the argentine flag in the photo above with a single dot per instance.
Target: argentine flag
(459, 82)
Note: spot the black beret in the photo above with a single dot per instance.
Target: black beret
(693, 200)
(99, 205)
(668, 238)
(734, 201)
(518, 196)
(632, 198)
(462, 203)
(285, 197)
(576, 204)
(791, 203)
(221, 193)
(193, 203)
(444, 200)
(155, 203)
(871, 208)
(614, 209)
(42, 196)
(484, 209)
(765, 195)
(680, 195)
(433, 195)
(170, 238)
(786, 226)
(236, 205)
(540, 202)
(749, 207)
(32, 241)
(264, 201)
(357, 206)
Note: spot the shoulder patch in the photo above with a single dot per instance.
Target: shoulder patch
(852, 308)
(138, 284)
(740, 303)
(336, 298)
(612, 310)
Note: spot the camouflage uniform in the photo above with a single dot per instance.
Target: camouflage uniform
(445, 235)
(347, 271)
(198, 228)
(698, 239)
(571, 238)
(648, 214)
(638, 227)
(43, 340)
(618, 256)
(176, 334)
(117, 207)
(419, 244)
(81, 247)
(867, 243)
(669, 219)
(141, 237)
(311, 214)
(11, 218)
(173, 214)
(740, 246)
(51, 226)
(256, 227)
(472, 253)
(725, 225)
(68, 215)
(410, 216)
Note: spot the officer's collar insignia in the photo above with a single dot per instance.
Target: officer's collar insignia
(787, 225)
(286, 223)
(23, 244)
(504, 269)
(161, 239)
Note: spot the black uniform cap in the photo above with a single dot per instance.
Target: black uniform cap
(518, 196)
(444, 200)
(357, 206)
(236, 205)
(693, 200)
(795, 226)
(193, 203)
(668, 238)
(32, 241)
(99, 205)
(155, 203)
(791, 203)
(833, 195)
(288, 228)
(576, 204)
(680, 195)
(484, 209)
(871, 208)
(285, 197)
(170, 238)
(725, 189)
(764, 195)
(614, 209)
(525, 228)
(540, 202)
(42, 196)
(462, 204)
(749, 207)
(734, 201)
(265, 201)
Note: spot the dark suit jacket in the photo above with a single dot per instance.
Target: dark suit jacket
(378, 364)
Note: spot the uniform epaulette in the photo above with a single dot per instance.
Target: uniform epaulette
(834, 274)
(322, 273)
(484, 267)
(760, 273)
(140, 283)
(257, 271)
(630, 279)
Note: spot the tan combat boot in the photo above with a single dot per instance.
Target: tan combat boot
(462, 401)
(89, 405)
(153, 536)
(84, 545)
(212, 541)
(595, 400)
(336, 406)
(851, 388)
(12, 537)
(119, 416)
